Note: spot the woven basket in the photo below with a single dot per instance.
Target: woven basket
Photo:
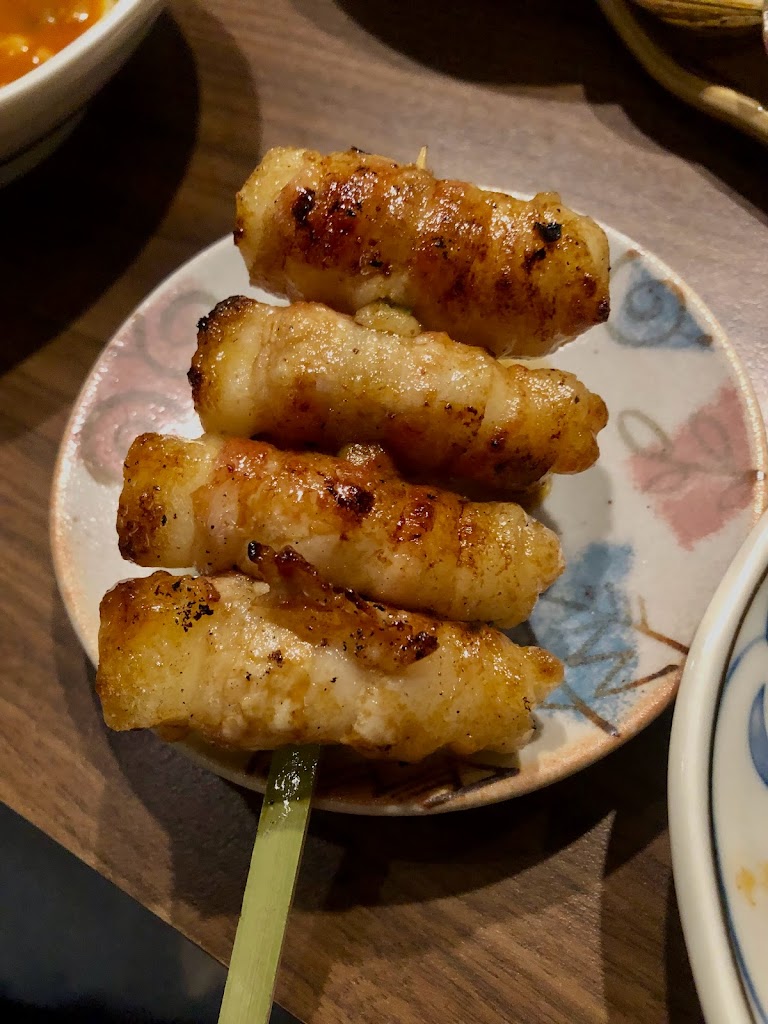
(708, 15)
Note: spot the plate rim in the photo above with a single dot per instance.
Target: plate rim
(502, 789)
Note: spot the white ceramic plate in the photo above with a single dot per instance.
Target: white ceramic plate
(647, 533)
(718, 794)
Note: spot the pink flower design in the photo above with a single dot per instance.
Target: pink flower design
(143, 383)
(701, 476)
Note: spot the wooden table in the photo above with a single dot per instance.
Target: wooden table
(556, 907)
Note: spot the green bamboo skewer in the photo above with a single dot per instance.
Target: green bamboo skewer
(269, 889)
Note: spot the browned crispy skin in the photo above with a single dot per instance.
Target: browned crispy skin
(305, 375)
(346, 229)
(255, 665)
(202, 503)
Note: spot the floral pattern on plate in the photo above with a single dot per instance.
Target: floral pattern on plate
(701, 475)
(647, 532)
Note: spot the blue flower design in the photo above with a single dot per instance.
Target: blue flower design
(653, 313)
(585, 620)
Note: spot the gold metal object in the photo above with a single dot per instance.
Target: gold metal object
(707, 14)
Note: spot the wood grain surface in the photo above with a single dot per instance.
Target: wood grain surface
(557, 907)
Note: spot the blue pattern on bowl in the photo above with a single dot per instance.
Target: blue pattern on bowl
(758, 737)
(738, 682)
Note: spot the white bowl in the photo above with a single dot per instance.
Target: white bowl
(718, 794)
(38, 109)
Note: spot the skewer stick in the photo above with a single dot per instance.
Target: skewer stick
(269, 889)
(272, 876)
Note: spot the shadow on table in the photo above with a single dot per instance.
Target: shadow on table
(75, 222)
(644, 916)
(475, 849)
(77, 1012)
(534, 46)
(96, 1013)
(496, 841)
(682, 1000)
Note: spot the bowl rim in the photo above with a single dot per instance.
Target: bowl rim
(117, 14)
(713, 960)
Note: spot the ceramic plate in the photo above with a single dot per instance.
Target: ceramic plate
(718, 794)
(647, 533)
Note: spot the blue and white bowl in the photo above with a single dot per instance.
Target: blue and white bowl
(718, 794)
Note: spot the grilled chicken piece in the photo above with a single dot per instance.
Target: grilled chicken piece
(201, 503)
(256, 665)
(303, 374)
(518, 278)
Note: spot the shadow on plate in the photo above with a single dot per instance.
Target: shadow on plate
(561, 50)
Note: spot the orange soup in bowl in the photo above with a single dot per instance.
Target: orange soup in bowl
(31, 31)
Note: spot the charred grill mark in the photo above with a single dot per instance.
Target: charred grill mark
(465, 535)
(302, 206)
(350, 497)
(338, 206)
(589, 284)
(414, 522)
(287, 560)
(211, 329)
(531, 258)
(357, 601)
(308, 606)
(603, 310)
(381, 265)
(459, 288)
(196, 377)
(138, 522)
(420, 645)
(550, 231)
(191, 599)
